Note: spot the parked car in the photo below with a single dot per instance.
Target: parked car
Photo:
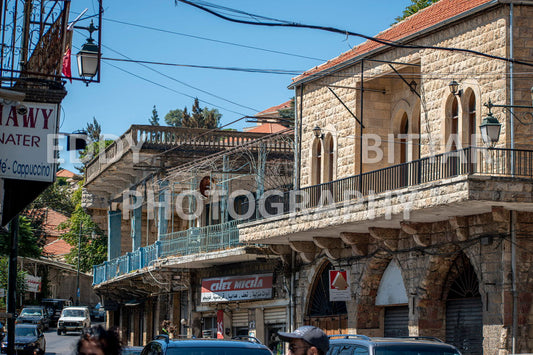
(29, 339)
(162, 345)
(98, 312)
(34, 315)
(54, 307)
(73, 319)
(132, 350)
(362, 345)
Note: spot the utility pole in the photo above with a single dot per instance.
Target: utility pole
(12, 285)
(78, 272)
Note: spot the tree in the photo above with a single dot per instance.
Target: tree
(30, 244)
(154, 120)
(287, 115)
(95, 145)
(56, 196)
(21, 282)
(93, 241)
(94, 130)
(416, 6)
(199, 118)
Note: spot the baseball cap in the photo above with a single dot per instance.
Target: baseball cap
(311, 334)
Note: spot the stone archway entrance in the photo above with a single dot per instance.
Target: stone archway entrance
(332, 317)
(464, 308)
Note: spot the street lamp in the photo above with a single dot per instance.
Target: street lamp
(454, 88)
(88, 57)
(490, 127)
(318, 132)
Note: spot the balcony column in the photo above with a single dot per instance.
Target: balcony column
(114, 220)
(136, 230)
(225, 187)
(164, 209)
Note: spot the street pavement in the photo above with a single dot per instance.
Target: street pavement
(61, 344)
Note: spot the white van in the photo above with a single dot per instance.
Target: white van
(73, 319)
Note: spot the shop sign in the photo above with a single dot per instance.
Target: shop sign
(339, 286)
(33, 283)
(25, 139)
(237, 288)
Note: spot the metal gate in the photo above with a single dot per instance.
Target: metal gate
(275, 315)
(464, 325)
(396, 322)
(240, 318)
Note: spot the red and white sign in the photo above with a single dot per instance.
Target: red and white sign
(339, 285)
(24, 138)
(237, 288)
(33, 283)
(220, 324)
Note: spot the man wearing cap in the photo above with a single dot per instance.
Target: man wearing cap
(306, 340)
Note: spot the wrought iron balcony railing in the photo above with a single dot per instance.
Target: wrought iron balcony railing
(188, 242)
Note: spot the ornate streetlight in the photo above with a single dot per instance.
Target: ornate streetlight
(89, 57)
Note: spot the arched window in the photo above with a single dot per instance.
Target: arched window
(454, 124)
(331, 316)
(404, 131)
(316, 166)
(471, 133)
(329, 158)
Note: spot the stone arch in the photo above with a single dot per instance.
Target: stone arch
(315, 158)
(319, 310)
(451, 110)
(368, 313)
(329, 160)
(402, 110)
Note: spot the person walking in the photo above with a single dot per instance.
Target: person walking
(306, 340)
(99, 341)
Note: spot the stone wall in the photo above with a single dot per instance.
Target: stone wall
(485, 240)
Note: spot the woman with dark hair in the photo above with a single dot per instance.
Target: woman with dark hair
(99, 341)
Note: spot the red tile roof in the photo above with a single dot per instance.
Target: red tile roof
(438, 12)
(274, 109)
(52, 220)
(65, 173)
(57, 248)
(267, 128)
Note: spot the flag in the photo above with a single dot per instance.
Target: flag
(66, 65)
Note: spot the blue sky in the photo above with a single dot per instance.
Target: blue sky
(128, 91)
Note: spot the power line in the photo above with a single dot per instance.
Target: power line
(215, 40)
(283, 23)
(248, 70)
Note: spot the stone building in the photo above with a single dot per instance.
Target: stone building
(171, 200)
(416, 224)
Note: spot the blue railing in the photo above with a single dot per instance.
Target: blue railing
(188, 242)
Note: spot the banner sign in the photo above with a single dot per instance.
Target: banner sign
(33, 283)
(25, 129)
(339, 285)
(237, 288)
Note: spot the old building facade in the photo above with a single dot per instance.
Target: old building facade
(428, 225)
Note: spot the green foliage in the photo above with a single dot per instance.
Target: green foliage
(94, 130)
(29, 243)
(199, 118)
(287, 115)
(416, 6)
(154, 120)
(93, 241)
(56, 197)
(21, 283)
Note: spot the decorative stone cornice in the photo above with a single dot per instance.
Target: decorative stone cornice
(388, 236)
(357, 241)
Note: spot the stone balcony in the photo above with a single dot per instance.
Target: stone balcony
(439, 188)
(143, 149)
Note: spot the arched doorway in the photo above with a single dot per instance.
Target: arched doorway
(392, 295)
(464, 309)
(330, 316)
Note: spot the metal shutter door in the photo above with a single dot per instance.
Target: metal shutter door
(275, 315)
(396, 321)
(464, 325)
(240, 318)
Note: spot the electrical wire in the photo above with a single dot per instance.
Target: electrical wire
(248, 70)
(215, 41)
(282, 23)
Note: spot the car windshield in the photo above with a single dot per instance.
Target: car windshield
(31, 312)
(72, 313)
(414, 349)
(25, 331)
(215, 351)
